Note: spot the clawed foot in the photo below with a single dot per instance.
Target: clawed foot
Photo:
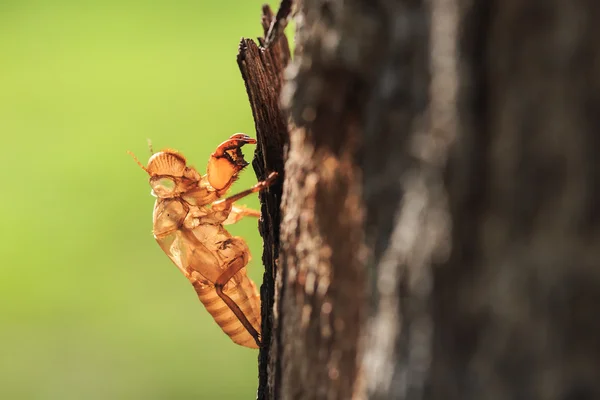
(269, 181)
(224, 203)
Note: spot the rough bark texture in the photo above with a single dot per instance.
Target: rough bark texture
(360, 105)
(323, 300)
(516, 304)
(262, 70)
(440, 223)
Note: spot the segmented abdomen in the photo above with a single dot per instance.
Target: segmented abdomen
(245, 295)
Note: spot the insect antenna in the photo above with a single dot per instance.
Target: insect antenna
(150, 146)
(137, 161)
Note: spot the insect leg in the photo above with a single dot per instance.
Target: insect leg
(226, 202)
(234, 267)
(238, 212)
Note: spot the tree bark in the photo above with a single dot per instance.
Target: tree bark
(439, 215)
(516, 303)
(262, 70)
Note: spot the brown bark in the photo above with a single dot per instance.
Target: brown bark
(439, 227)
(516, 304)
(359, 102)
(262, 70)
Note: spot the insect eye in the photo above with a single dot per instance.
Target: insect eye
(167, 183)
(163, 187)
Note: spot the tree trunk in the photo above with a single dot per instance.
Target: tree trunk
(262, 70)
(439, 221)
(516, 304)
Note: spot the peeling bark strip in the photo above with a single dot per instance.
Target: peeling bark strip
(279, 23)
(262, 71)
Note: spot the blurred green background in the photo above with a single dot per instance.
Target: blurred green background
(90, 306)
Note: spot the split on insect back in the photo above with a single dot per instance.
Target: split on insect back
(188, 223)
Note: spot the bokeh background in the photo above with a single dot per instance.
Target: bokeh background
(90, 306)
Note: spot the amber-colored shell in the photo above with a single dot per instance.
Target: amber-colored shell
(248, 300)
(188, 225)
(166, 162)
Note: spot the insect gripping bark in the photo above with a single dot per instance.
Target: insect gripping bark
(189, 214)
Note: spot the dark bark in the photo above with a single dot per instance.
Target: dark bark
(440, 223)
(262, 70)
(516, 304)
